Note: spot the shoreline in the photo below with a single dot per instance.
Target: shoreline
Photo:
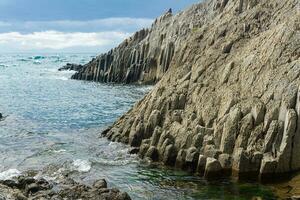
(30, 186)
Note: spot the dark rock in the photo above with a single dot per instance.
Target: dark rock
(191, 159)
(32, 188)
(100, 184)
(213, 168)
(152, 153)
(73, 67)
(134, 150)
(227, 47)
(26, 187)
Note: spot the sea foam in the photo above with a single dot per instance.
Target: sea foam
(9, 174)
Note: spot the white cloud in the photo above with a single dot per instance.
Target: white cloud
(98, 25)
(54, 40)
(67, 35)
(107, 22)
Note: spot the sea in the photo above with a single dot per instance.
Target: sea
(53, 124)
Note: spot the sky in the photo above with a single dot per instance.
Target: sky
(79, 26)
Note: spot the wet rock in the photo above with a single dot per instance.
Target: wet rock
(268, 166)
(143, 149)
(134, 150)
(169, 156)
(30, 188)
(225, 161)
(246, 164)
(100, 184)
(201, 164)
(213, 168)
(152, 153)
(136, 134)
(180, 159)
(191, 159)
(69, 66)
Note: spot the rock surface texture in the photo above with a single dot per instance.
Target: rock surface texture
(228, 98)
(30, 188)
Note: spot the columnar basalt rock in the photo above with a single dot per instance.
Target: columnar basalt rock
(228, 95)
(142, 58)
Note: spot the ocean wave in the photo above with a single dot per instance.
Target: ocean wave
(9, 174)
(116, 162)
(37, 62)
(39, 57)
(23, 60)
(82, 165)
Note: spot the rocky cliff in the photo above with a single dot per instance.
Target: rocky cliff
(144, 57)
(228, 99)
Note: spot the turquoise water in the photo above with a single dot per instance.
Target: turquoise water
(53, 124)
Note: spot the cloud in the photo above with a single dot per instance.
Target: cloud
(67, 35)
(59, 41)
(97, 25)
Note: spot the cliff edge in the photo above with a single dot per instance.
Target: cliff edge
(228, 99)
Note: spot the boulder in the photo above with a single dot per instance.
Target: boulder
(70, 66)
(213, 168)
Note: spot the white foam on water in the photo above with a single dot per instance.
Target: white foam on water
(9, 174)
(82, 165)
(59, 151)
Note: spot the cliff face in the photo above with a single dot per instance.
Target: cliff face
(144, 57)
(228, 99)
